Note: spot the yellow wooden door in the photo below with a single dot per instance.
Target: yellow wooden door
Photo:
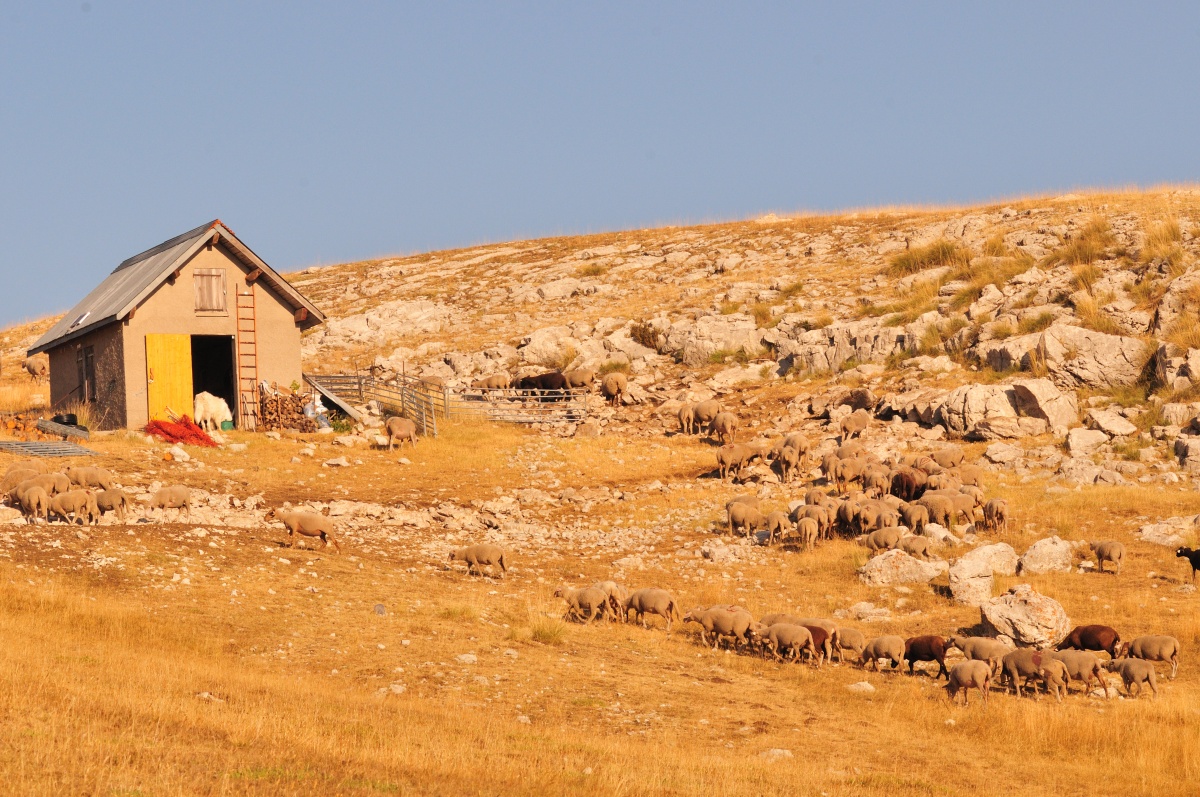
(169, 375)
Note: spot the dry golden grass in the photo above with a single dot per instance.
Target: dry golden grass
(23, 395)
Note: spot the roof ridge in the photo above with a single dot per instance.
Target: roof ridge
(165, 245)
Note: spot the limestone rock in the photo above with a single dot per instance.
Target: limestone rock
(697, 341)
(1049, 555)
(1171, 532)
(999, 557)
(1078, 357)
(971, 581)
(1188, 451)
(1002, 453)
(1026, 617)
(1110, 423)
(587, 429)
(1081, 442)
(965, 407)
(897, 567)
(545, 346)
(1039, 398)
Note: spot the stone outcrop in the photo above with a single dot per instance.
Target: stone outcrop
(897, 567)
(990, 412)
(1049, 555)
(1026, 617)
(1078, 357)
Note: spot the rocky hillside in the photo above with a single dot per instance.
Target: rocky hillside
(926, 316)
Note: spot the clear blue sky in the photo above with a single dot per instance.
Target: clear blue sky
(325, 132)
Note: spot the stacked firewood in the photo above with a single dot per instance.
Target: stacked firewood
(23, 426)
(277, 413)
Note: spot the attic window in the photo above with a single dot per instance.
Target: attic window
(210, 290)
(80, 320)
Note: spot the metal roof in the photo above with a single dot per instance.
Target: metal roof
(139, 276)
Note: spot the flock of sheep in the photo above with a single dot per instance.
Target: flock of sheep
(557, 385)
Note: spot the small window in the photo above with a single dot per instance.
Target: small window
(210, 290)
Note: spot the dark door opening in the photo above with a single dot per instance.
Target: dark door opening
(212, 368)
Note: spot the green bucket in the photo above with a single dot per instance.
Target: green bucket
(226, 426)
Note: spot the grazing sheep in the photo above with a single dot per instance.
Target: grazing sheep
(822, 642)
(1109, 551)
(977, 648)
(34, 503)
(1092, 637)
(1155, 648)
(308, 524)
(820, 514)
(748, 500)
(617, 595)
(968, 675)
(883, 647)
(210, 412)
(789, 463)
(930, 647)
(17, 476)
(1055, 677)
(76, 505)
(614, 387)
(977, 496)
(949, 457)
(851, 451)
(38, 367)
(995, 515)
(883, 539)
(652, 601)
(580, 378)
(90, 477)
(734, 457)
(778, 524)
(908, 483)
(1022, 663)
(724, 427)
(850, 639)
(687, 419)
(722, 622)
(854, 424)
(705, 411)
(808, 529)
(400, 429)
(175, 497)
(845, 472)
(584, 604)
(480, 556)
(52, 483)
(876, 481)
(744, 519)
(1193, 558)
(970, 474)
(1082, 666)
(785, 640)
(940, 509)
(917, 547)
(113, 501)
(35, 465)
(1134, 672)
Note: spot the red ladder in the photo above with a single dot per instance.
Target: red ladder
(247, 359)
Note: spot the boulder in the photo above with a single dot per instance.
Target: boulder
(546, 346)
(1178, 414)
(696, 341)
(999, 557)
(897, 567)
(1188, 451)
(1171, 532)
(1081, 442)
(1039, 398)
(1026, 617)
(1078, 357)
(587, 429)
(1002, 453)
(990, 298)
(971, 581)
(1015, 353)
(868, 341)
(1007, 428)
(1176, 301)
(1177, 367)
(967, 406)
(560, 288)
(1049, 555)
(1110, 423)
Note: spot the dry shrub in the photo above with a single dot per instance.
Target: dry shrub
(1163, 243)
(979, 275)
(591, 270)
(1147, 293)
(548, 631)
(1185, 332)
(1031, 324)
(729, 308)
(1001, 330)
(644, 334)
(1088, 246)
(921, 258)
(1092, 317)
(22, 396)
(995, 246)
(763, 316)
(1084, 276)
(562, 360)
(613, 367)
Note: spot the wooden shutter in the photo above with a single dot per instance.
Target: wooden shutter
(210, 290)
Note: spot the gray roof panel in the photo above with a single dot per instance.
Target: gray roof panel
(134, 280)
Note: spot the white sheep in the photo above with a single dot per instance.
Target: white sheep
(968, 675)
(211, 412)
(1134, 672)
(1155, 648)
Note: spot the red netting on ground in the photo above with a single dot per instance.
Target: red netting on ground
(185, 431)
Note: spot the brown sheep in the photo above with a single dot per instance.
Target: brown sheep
(614, 387)
(480, 556)
(724, 427)
(652, 601)
(926, 648)
(1155, 648)
(308, 524)
(1092, 637)
(968, 675)
(1134, 672)
(176, 497)
(76, 506)
(400, 429)
(1109, 551)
